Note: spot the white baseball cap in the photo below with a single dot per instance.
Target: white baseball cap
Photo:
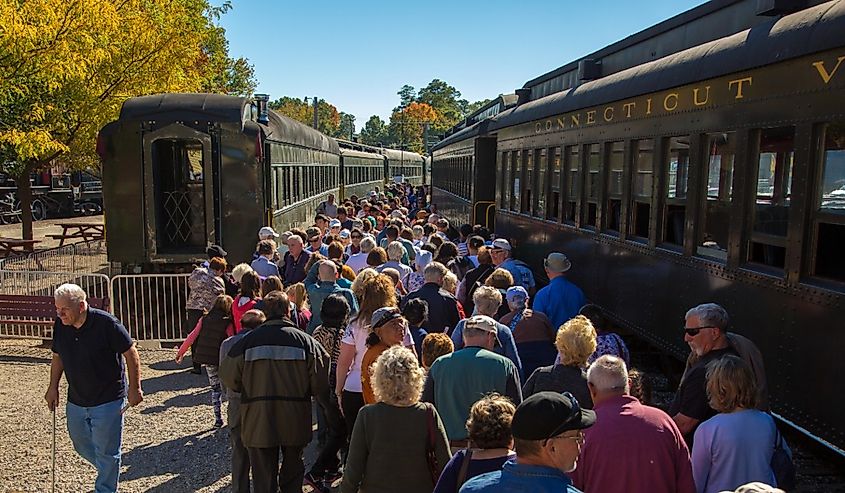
(266, 232)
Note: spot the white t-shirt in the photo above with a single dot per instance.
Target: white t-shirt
(355, 335)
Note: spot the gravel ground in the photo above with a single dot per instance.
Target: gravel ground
(40, 229)
(169, 443)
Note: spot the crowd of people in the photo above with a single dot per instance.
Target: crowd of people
(435, 364)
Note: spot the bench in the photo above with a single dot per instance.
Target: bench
(83, 231)
(35, 311)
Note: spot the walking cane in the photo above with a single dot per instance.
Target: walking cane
(54, 451)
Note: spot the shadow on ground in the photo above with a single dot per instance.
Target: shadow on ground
(29, 360)
(183, 458)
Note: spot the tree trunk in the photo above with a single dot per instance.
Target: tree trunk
(24, 195)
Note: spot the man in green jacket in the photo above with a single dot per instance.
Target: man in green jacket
(277, 369)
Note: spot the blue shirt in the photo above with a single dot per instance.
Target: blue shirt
(559, 301)
(519, 478)
(319, 291)
(92, 356)
(265, 267)
(324, 249)
(521, 273)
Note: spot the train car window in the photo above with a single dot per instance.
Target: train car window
(771, 210)
(830, 219)
(528, 156)
(505, 185)
(713, 233)
(677, 171)
(540, 192)
(516, 167)
(642, 183)
(615, 171)
(573, 179)
(553, 202)
(593, 183)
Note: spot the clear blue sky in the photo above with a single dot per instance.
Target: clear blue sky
(357, 54)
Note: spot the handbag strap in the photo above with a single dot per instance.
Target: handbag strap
(462, 472)
(429, 413)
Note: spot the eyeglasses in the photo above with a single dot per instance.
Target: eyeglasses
(579, 438)
(315, 240)
(574, 412)
(356, 237)
(693, 331)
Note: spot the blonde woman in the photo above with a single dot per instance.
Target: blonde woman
(388, 450)
(735, 446)
(575, 341)
(298, 297)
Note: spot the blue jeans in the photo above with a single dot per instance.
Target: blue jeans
(96, 434)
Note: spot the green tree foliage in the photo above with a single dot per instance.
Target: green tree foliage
(68, 66)
(328, 118)
(473, 107)
(406, 126)
(347, 126)
(375, 132)
(446, 101)
(407, 95)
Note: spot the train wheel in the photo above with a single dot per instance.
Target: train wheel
(39, 210)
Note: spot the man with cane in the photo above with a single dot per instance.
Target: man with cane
(89, 347)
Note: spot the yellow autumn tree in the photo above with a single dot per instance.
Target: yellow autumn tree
(406, 125)
(68, 65)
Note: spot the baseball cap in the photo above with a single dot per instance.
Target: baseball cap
(215, 251)
(344, 234)
(267, 231)
(384, 315)
(334, 223)
(516, 293)
(423, 258)
(396, 213)
(557, 262)
(547, 414)
(501, 244)
(485, 323)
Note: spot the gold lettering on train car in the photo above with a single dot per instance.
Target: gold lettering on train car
(560, 123)
(648, 106)
(825, 75)
(575, 120)
(548, 125)
(739, 83)
(671, 95)
(627, 107)
(591, 117)
(706, 96)
(609, 110)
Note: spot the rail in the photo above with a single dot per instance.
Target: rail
(151, 306)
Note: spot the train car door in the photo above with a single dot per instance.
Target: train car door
(179, 192)
(484, 188)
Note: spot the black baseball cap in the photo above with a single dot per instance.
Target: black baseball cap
(548, 414)
(215, 251)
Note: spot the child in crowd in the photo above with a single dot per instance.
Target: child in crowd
(211, 330)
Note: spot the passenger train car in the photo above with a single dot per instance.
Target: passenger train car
(183, 171)
(714, 173)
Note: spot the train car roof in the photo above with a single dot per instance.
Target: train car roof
(184, 106)
(812, 30)
(290, 131)
(479, 128)
(356, 153)
(401, 155)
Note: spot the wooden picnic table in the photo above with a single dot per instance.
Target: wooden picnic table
(16, 246)
(84, 231)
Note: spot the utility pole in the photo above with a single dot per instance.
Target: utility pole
(316, 119)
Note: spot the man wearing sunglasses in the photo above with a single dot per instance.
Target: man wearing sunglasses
(547, 437)
(705, 331)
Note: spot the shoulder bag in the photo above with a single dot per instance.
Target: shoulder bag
(430, 455)
(782, 465)
(462, 472)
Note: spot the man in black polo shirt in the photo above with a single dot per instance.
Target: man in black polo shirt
(87, 347)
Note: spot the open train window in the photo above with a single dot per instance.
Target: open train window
(767, 245)
(712, 239)
(553, 201)
(829, 263)
(593, 184)
(542, 167)
(615, 168)
(642, 183)
(528, 172)
(573, 179)
(677, 172)
(516, 170)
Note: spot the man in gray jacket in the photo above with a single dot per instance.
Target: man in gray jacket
(277, 368)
